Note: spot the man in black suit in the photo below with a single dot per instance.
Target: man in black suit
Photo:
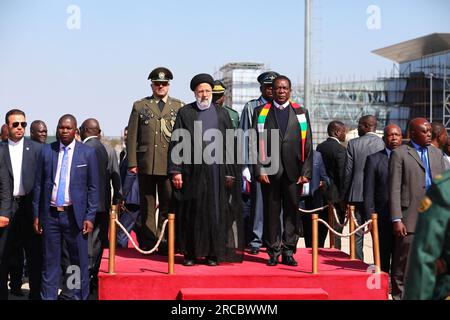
(98, 239)
(20, 156)
(376, 192)
(357, 151)
(314, 199)
(284, 131)
(334, 155)
(130, 218)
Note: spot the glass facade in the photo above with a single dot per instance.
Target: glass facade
(437, 64)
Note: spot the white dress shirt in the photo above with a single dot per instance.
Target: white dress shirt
(67, 198)
(334, 138)
(16, 155)
(446, 161)
(281, 106)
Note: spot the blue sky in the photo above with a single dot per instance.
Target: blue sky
(98, 70)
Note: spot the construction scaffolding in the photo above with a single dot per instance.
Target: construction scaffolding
(348, 101)
(240, 78)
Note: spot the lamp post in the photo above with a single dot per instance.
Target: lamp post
(431, 97)
(307, 69)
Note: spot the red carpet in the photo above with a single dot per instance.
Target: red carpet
(145, 277)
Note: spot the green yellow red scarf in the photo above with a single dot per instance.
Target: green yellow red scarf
(301, 118)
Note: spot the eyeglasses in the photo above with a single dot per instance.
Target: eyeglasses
(22, 124)
(158, 84)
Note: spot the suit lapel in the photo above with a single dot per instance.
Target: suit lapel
(271, 120)
(152, 107)
(74, 160)
(55, 154)
(292, 123)
(167, 107)
(8, 159)
(432, 158)
(26, 156)
(412, 151)
(385, 162)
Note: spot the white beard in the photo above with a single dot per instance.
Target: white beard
(203, 105)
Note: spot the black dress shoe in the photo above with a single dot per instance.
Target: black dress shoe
(289, 261)
(254, 250)
(188, 262)
(272, 262)
(18, 292)
(211, 261)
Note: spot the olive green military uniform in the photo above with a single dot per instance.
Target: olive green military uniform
(218, 92)
(431, 243)
(234, 115)
(149, 132)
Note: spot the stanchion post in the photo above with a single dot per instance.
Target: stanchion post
(112, 239)
(331, 223)
(171, 244)
(315, 243)
(376, 242)
(351, 213)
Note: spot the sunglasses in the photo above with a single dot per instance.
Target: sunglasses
(158, 84)
(22, 124)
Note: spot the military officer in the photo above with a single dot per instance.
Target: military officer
(251, 191)
(149, 131)
(428, 275)
(219, 98)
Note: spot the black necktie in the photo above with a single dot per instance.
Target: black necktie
(161, 105)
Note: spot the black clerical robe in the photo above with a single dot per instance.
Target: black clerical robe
(209, 218)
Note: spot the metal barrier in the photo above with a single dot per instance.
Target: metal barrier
(114, 222)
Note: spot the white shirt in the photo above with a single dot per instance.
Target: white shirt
(334, 138)
(16, 155)
(446, 161)
(67, 198)
(281, 106)
(89, 138)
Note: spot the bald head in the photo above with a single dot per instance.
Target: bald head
(438, 134)
(337, 130)
(420, 130)
(392, 136)
(38, 131)
(5, 132)
(367, 124)
(90, 127)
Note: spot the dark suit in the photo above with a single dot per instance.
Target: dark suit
(407, 189)
(376, 200)
(68, 224)
(315, 199)
(334, 156)
(98, 238)
(283, 192)
(130, 218)
(19, 233)
(357, 151)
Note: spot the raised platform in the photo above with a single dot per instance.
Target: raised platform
(140, 277)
